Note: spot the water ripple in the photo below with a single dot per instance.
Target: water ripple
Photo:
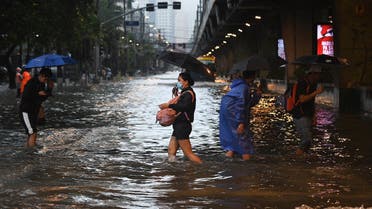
(101, 148)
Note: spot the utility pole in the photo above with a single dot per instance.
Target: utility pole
(124, 18)
(96, 46)
(176, 5)
(142, 25)
(126, 38)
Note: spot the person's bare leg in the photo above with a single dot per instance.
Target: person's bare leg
(31, 140)
(229, 154)
(172, 149)
(299, 152)
(246, 157)
(187, 151)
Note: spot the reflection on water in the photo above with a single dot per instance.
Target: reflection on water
(102, 148)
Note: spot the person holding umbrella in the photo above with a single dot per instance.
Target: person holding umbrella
(33, 96)
(235, 134)
(18, 81)
(304, 112)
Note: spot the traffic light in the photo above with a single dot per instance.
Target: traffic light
(150, 7)
(176, 5)
(101, 50)
(162, 5)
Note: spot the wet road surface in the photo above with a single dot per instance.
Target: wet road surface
(101, 148)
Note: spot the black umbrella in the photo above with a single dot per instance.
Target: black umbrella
(322, 60)
(179, 59)
(198, 70)
(276, 62)
(252, 63)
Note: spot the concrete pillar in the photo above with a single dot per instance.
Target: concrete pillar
(296, 22)
(353, 32)
(353, 29)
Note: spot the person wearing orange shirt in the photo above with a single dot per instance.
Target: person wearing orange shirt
(26, 77)
(18, 81)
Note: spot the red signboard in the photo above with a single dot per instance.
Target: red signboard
(325, 39)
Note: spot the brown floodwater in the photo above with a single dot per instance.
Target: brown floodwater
(101, 148)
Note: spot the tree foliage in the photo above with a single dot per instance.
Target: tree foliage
(47, 24)
(31, 28)
(42, 26)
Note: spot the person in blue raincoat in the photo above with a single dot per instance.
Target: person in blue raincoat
(235, 134)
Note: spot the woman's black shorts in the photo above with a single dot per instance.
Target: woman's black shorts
(182, 130)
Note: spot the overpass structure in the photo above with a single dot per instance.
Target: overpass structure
(232, 30)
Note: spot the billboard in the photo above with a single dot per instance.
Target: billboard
(325, 39)
(281, 52)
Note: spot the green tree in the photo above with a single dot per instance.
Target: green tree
(45, 25)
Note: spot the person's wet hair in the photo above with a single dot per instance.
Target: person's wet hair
(187, 77)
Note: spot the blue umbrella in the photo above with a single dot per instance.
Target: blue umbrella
(50, 60)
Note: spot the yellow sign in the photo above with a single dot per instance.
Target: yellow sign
(207, 58)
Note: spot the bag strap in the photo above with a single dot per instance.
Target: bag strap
(307, 91)
(192, 100)
(192, 94)
(294, 92)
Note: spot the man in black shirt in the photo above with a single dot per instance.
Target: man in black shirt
(303, 114)
(32, 97)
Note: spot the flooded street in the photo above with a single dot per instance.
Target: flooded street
(101, 148)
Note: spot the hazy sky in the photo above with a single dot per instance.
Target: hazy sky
(185, 18)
